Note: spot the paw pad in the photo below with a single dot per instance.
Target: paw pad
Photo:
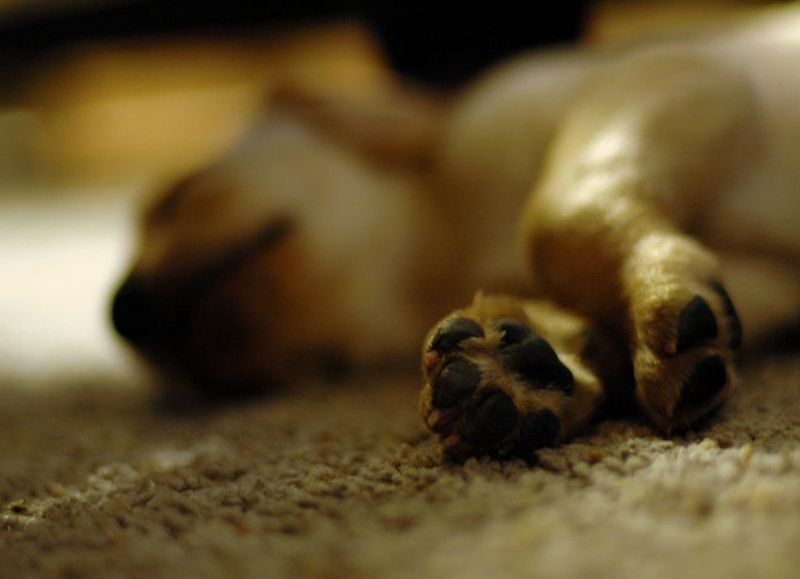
(490, 420)
(707, 380)
(458, 381)
(513, 331)
(696, 325)
(453, 332)
(535, 360)
(538, 430)
(730, 312)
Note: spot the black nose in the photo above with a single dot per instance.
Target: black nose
(133, 312)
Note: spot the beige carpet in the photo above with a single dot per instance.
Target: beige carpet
(340, 481)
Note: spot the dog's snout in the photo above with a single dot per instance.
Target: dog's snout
(133, 311)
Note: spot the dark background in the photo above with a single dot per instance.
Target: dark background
(434, 42)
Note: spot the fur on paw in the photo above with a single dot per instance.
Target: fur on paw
(684, 346)
(494, 384)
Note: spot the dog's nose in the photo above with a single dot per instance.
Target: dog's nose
(133, 311)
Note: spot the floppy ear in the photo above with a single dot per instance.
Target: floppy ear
(400, 126)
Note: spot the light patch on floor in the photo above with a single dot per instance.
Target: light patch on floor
(60, 255)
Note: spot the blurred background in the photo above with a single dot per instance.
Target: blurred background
(101, 100)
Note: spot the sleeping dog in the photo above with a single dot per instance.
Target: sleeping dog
(609, 208)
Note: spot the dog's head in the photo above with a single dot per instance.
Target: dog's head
(288, 256)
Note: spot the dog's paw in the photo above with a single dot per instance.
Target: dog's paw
(684, 345)
(496, 386)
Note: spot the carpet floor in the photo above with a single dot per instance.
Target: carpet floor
(342, 481)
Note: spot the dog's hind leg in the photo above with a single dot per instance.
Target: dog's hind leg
(644, 158)
(637, 163)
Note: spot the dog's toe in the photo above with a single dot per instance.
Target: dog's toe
(457, 382)
(453, 332)
(696, 324)
(489, 419)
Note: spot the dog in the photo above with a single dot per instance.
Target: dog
(608, 206)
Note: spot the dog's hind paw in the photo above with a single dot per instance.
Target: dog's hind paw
(683, 354)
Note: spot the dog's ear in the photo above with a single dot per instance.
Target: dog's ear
(399, 127)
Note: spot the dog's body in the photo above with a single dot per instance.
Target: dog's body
(660, 176)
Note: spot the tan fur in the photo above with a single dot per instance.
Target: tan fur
(625, 172)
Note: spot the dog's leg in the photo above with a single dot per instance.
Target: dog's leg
(635, 165)
(641, 161)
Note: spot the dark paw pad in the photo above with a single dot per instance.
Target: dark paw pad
(490, 420)
(458, 381)
(453, 332)
(696, 324)
(707, 380)
(536, 361)
(513, 331)
(538, 430)
(733, 317)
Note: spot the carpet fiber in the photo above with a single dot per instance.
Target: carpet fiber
(332, 481)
